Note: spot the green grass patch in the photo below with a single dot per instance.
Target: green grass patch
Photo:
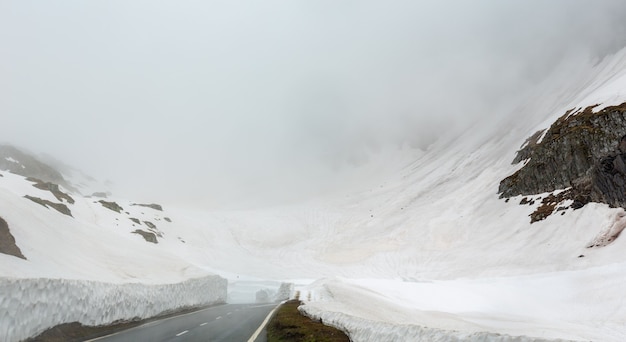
(289, 325)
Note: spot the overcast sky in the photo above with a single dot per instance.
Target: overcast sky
(193, 99)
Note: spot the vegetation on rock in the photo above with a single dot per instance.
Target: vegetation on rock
(583, 152)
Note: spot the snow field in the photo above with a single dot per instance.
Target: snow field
(35, 305)
(432, 251)
(362, 330)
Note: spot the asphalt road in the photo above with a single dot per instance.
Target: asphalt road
(228, 323)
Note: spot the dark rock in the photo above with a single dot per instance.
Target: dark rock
(582, 150)
(581, 256)
(99, 194)
(153, 206)
(150, 224)
(569, 150)
(525, 152)
(167, 219)
(53, 188)
(111, 205)
(60, 207)
(29, 166)
(148, 236)
(7, 241)
(135, 220)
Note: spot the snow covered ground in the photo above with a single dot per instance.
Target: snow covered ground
(431, 253)
(89, 268)
(425, 250)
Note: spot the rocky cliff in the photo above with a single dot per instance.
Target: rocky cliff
(582, 150)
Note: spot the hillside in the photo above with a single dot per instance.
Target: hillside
(507, 231)
(80, 256)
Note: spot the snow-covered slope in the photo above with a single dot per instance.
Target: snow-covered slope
(90, 267)
(454, 256)
(427, 252)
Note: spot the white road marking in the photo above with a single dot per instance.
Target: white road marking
(182, 333)
(159, 321)
(228, 314)
(258, 331)
(218, 317)
(203, 324)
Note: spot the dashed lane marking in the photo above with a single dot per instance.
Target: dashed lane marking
(182, 333)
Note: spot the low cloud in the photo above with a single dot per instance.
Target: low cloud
(209, 101)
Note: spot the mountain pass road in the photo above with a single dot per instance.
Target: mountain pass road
(228, 323)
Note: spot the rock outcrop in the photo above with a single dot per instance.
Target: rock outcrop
(53, 188)
(148, 236)
(111, 206)
(152, 206)
(7, 241)
(584, 152)
(24, 164)
(60, 207)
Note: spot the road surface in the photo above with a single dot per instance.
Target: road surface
(228, 323)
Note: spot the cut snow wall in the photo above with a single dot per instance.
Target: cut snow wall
(359, 329)
(30, 306)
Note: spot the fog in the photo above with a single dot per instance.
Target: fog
(209, 102)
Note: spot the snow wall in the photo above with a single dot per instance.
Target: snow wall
(363, 330)
(30, 306)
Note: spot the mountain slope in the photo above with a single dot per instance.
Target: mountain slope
(455, 256)
(76, 259)
(430, 252)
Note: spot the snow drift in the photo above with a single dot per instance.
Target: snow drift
(89, 267)
(35, 305)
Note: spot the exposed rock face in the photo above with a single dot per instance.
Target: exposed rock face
(111, 206)
(60, 207)
(148, 236)
(24, 164)
(582, 150)
(7, 241)
(53, 188)
(153, 206)
(607, 180)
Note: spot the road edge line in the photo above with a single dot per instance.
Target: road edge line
(262, 326)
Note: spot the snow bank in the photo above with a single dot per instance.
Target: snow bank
(359, 329)
(34, 305)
